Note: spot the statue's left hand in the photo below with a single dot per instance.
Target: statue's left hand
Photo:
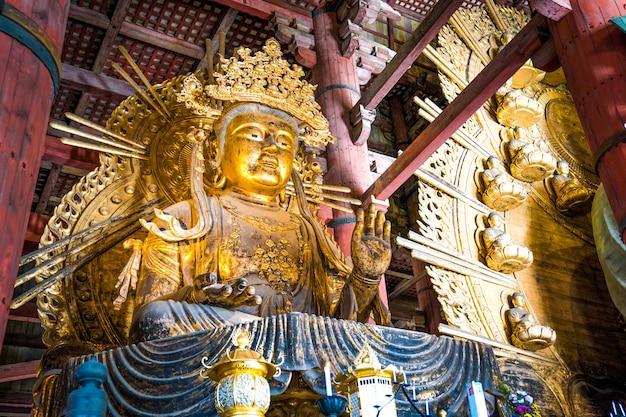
(371, 247)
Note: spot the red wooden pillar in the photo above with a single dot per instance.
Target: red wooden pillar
(31, 34)
(337, 92)
(592, 52)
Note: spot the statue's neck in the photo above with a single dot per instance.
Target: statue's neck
(236, 197)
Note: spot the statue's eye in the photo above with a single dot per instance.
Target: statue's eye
(254, 133)
(284, 141)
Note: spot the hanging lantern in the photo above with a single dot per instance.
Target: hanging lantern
(241, 376)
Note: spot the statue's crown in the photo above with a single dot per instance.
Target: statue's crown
(264, 78)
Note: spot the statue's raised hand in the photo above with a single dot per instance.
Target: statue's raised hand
(371, 247)
(209, 291)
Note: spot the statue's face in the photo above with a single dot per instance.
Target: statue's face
(258, 154)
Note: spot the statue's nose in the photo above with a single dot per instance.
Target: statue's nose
(269, 141)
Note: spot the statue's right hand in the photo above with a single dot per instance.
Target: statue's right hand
(225, 295)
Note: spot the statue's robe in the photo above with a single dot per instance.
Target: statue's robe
(290, 262)
(163, 377)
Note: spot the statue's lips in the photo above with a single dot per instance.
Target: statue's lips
(270, 162)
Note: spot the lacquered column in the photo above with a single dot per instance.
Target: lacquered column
(31, 34)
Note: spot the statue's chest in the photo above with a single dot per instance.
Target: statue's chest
(265, 249)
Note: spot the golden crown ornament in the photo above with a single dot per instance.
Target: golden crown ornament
(264, 78)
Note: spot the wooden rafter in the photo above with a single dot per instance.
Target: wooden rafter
(406, 56)
(226, 21)
(89, 16)
(265, 10)
(59, 153)
(115, 24)
(493, 76)
(89, 82)
(51, 182)
(170, 43)
(19, 371)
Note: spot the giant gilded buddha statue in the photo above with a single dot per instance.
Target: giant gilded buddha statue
(208, 226)
(233, 250)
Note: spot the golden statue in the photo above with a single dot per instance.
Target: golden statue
(501, 192)
(526, 333)
(530, 159)
(501, 253)
(569, 194)
(237, 251)
(237, 246)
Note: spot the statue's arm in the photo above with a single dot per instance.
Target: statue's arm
(157, 268)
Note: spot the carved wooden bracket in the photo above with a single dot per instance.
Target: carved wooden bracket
(351, 14)
(361, 120)
(296, 34)
(371, 58)
(349, 37)
(365, 11)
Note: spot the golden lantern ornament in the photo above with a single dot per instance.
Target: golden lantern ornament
(369, 387)
(241, 376)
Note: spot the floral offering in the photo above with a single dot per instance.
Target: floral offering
(518, 402)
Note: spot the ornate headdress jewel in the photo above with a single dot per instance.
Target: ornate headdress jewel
(264, 78)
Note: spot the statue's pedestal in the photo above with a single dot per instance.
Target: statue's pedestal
(163, 378)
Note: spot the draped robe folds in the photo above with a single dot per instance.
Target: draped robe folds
(315, 280)
(162, 377)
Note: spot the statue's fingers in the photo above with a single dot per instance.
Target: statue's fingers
(387, 231)
(380, 222)
(254, 301)
(242, 284)
(207, 279)
(244, 296)
(370, 220)
(226, 291)
(218, 292)
(357, 234)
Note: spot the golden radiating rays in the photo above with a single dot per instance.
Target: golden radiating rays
(98, 143)
(160, 106)
(314, 194)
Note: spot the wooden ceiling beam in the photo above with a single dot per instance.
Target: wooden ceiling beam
(552, 9)
(89, 82)
(89, 16)
(152, 37)
(408, 53)
(19, 371)
(526, 43)
(119, 14)
(51, 182)
(59, 153)
(265, 10)
(137, 32)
